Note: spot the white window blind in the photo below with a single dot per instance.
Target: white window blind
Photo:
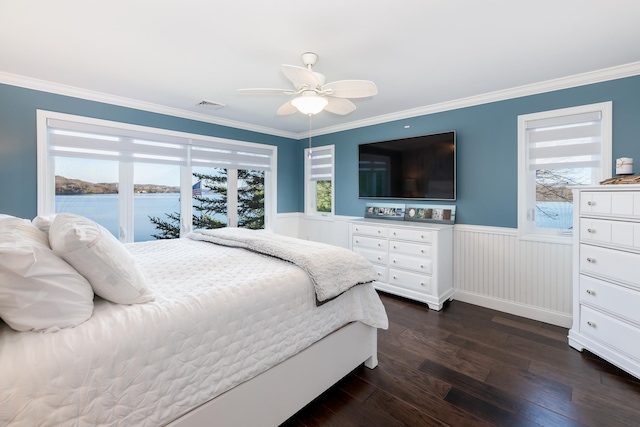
(321, 165)
(75, 139)
(572, 141)
(226, 155)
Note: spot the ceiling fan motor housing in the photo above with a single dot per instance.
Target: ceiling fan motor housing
(309, 59)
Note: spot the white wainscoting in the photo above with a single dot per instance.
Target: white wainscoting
(288, 224)
(334, 231)
(493, 268)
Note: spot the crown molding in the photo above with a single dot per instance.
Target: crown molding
(612, 73)
(75, 92)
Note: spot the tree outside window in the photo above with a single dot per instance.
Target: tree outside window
(323, 196)
(211, 203)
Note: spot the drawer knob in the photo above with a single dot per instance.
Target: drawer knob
(421, 283)
(591, 260)
(591, 203)
(394, 233)
(379, 258)
(591, 230)
(421, 266)
(357, 229)
(395, 247)
(379, 244)
(379, 274)
(591, 292)
(357, 241)
(394, 277)
(394, 261)
(421, 251)
(592, 324)
(378, 231)
(422, 236)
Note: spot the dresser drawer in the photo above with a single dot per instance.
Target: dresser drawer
(370, 230)
(372, 255)
(619, 233)
(425, 236)
(610, 263)
(610, 331)
(623, 301)
(408, 280)
(381, 272)
(419, 264)
(624, 203)
(369, 242)
(416, 249)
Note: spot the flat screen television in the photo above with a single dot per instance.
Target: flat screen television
(421, 167)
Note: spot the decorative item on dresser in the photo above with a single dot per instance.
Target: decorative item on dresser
(626, 179)
(412, 260)
(606, 278)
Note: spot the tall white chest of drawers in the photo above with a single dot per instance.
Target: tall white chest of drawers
(606, 274)
(412, 260)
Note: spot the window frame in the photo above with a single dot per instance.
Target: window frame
(310, 208)
(526, 178)
(46, 172)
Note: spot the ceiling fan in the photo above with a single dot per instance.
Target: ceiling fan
(313, 94)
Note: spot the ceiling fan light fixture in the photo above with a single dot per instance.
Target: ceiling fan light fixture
(309, 104)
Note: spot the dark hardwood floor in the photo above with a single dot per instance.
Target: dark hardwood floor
(471, 366)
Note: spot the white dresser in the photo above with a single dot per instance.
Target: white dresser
(413, 260)
(606, 278)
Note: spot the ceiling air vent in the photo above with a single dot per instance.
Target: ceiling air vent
(210, 104)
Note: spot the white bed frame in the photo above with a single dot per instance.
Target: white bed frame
(272, 397)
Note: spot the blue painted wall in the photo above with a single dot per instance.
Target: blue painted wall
(18, 173)
(487, 152)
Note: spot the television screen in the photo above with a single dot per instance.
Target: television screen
(421, 167)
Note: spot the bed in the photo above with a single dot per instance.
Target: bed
(226, 337)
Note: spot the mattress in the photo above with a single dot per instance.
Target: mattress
(220, 317)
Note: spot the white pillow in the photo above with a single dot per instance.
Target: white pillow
(100, 257)
(38, 290)
(43, 222)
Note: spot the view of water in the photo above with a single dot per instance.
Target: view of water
(557, 215)
(103, 209)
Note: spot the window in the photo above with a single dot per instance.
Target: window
(556, 150)
(319, 193)
(144, 183)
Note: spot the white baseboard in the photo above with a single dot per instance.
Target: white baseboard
(530, 312)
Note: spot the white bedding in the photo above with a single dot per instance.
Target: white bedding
(220, 316)
(332, 270)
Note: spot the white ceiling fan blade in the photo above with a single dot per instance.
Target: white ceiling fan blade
(350, 88)
(340, 106)
(266, 90)
(286, 109)
(300, 76)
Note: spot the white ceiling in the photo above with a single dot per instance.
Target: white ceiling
(172, 54)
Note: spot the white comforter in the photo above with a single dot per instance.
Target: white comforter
(220, 316)
(332, 270)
